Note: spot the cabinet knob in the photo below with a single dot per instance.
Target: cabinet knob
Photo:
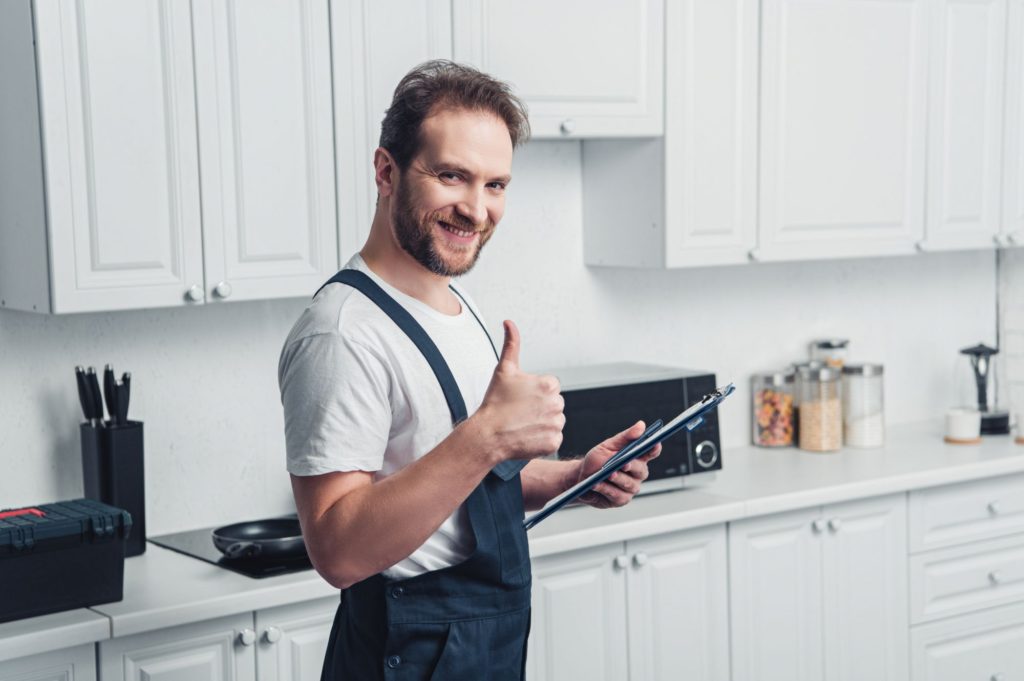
(754, 255)
(568, 126)
(194, 293)
(640, 559)
(921, 246)
(272, 635)
(834, 524)
(997, 677)
(621, 562)
(1011, 238)
(994, 508)
(222, 289)
(995, 577)
(818, 526)
(247, 637)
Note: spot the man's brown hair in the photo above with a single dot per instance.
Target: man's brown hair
(442, 84)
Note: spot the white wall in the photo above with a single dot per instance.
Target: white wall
(1011, 350)
(204, 378)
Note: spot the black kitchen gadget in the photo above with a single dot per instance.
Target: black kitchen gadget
(273, 538)
(113, 472)
(61, 556)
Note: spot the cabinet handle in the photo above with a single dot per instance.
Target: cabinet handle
(921, 246)
(640, 559)
(272, 635)
(834, 524)
(222, 289)
(998, 239)
(1011, 238)
(194, 293)
(993, 507)
(621, 562)
(568, 126)
(247, 637)
(818, 526)
(754, 255)
(997, 677)
(995, 577)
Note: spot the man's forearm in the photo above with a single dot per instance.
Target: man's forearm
(375, 526)
(544, 479)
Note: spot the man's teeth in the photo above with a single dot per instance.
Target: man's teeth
(457, 232)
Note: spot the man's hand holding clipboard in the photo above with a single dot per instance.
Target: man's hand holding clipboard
(632, 444)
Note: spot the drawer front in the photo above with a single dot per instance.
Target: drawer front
(965, 512)
(965, 578)
(984, 646)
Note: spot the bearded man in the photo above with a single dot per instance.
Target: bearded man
(413, 446)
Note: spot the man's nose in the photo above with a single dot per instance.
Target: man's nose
(473, 207)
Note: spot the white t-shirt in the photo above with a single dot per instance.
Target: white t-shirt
(359, 396)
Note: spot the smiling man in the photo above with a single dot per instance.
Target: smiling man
(412, 444)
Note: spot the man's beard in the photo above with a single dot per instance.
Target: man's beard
(416, 237)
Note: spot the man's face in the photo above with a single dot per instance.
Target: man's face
(449, 200)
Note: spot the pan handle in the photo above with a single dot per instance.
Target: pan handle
(242, 549)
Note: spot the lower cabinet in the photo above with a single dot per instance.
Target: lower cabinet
(276, 644)
(651, 609)
(821, 593)
(988, 646)
(68, 664)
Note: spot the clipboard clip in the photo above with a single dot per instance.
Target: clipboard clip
(695, 424)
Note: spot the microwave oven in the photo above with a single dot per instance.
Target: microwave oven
(604, 399)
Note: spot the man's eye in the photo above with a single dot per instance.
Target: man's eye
(500, 186)
(448, 175)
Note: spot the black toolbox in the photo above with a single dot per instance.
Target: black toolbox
(61, 556)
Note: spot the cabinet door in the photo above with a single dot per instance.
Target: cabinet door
(843, 119)
(776, 598)
(293, 640)
(865, 585)
(122, 177)
(376, 42)
(206, 651)
(579, 616)
(69, 664)
(678, 606)
(586, 68)
(1013, 155)
(988, 646)
(965, 123)
(263, 81)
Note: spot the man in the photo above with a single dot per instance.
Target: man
(407, 434)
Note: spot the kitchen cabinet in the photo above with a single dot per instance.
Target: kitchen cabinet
(648, 609)
(693, 194)
(843, 118)
(1013, 150)
(278, 644)
(168, 154)
(821, 593)
(965, 124)
(68, 664)
(585, 68)
(988, 646)
(375, 44)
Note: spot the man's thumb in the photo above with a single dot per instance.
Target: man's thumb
(510, 349)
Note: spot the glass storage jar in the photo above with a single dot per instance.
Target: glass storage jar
(819, 404)
(863, 413)
(831, 351)
(774, 416)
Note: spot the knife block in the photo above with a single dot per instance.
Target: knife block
(113, 473)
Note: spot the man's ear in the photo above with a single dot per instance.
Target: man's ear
(384, 171)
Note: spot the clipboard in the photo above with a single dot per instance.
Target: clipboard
(689, 419)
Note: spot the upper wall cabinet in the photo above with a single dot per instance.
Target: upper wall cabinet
(1012, 231)
(586, 68)
(376, 42)
(101, 202)
(843, 122)
(689, 199)
(965, 123)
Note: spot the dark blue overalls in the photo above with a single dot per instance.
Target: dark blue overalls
(467, 621)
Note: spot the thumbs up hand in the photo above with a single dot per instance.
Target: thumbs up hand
(523, 411)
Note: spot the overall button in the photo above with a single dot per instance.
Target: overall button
(394, 661)
(397, 592)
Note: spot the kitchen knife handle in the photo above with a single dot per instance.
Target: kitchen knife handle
(110, 392)
(95, 400)
(83, 392)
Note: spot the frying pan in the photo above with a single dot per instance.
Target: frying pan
(277, 538)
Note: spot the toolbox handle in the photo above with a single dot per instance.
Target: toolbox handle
(22, 511)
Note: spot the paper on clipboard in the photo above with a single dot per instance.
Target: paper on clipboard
(690, 419)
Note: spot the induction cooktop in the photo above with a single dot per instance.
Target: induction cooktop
(199, 544)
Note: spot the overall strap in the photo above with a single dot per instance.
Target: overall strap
(398, 314)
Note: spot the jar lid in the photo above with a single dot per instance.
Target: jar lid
(864, 369)
(781, 377)
(830, 343)
(816, 371)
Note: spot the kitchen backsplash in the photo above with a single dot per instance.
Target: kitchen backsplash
(1011, 336)
(205, 378)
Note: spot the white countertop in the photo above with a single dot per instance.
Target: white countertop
(163, 588)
